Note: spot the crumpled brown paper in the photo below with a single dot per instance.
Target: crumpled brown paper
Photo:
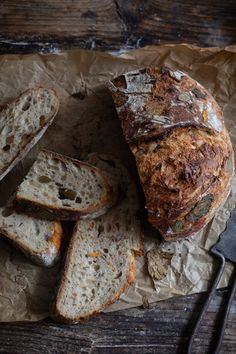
(87, 122)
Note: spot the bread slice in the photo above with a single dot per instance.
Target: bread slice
(40, 240)
(100, 262)
(22, 123)
(64, 188)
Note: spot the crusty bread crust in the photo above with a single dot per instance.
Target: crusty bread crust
(52, 212)
(176, 132)
(47, 257)
(33, 139)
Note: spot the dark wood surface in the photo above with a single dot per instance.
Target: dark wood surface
(162, 329)
(52, 25)
(49, 25)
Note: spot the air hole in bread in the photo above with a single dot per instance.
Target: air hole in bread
(96, 267)
(100, 229)
(26, 106)
(105, 250)
(78, 200)
(44, 179)
(26, 136)
(65, 193)
(6, 147)
(48, 237)
(10, 139)
(118, 275)
(42, 120)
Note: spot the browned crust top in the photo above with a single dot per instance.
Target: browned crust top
(176, 132)
(150, 102)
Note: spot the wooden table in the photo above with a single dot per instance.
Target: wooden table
(51, 25)
(48, 25)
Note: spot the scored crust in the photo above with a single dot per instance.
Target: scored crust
(176, 132)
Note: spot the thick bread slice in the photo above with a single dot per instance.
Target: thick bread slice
(40, 240)
(64, 188)
(100, 262)
(22, 123)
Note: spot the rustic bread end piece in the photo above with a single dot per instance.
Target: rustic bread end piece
(22, 124)
(40, 240)
(100, 263)
(64, 188)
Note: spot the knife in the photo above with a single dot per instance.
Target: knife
(224, 250)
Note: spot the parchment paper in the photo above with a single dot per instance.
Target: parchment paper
(87, 122)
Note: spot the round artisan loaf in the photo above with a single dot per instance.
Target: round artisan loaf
(183, 152)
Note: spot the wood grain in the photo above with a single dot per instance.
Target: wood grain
(162, 329)
(51, 25)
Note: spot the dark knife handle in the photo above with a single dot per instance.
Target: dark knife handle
(208, 300)
(226, 314)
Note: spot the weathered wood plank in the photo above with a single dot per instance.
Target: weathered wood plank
(164, 328)
(51, 25)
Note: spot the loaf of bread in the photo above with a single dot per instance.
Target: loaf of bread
(183, 152)
(59, 187)
(23, 122)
